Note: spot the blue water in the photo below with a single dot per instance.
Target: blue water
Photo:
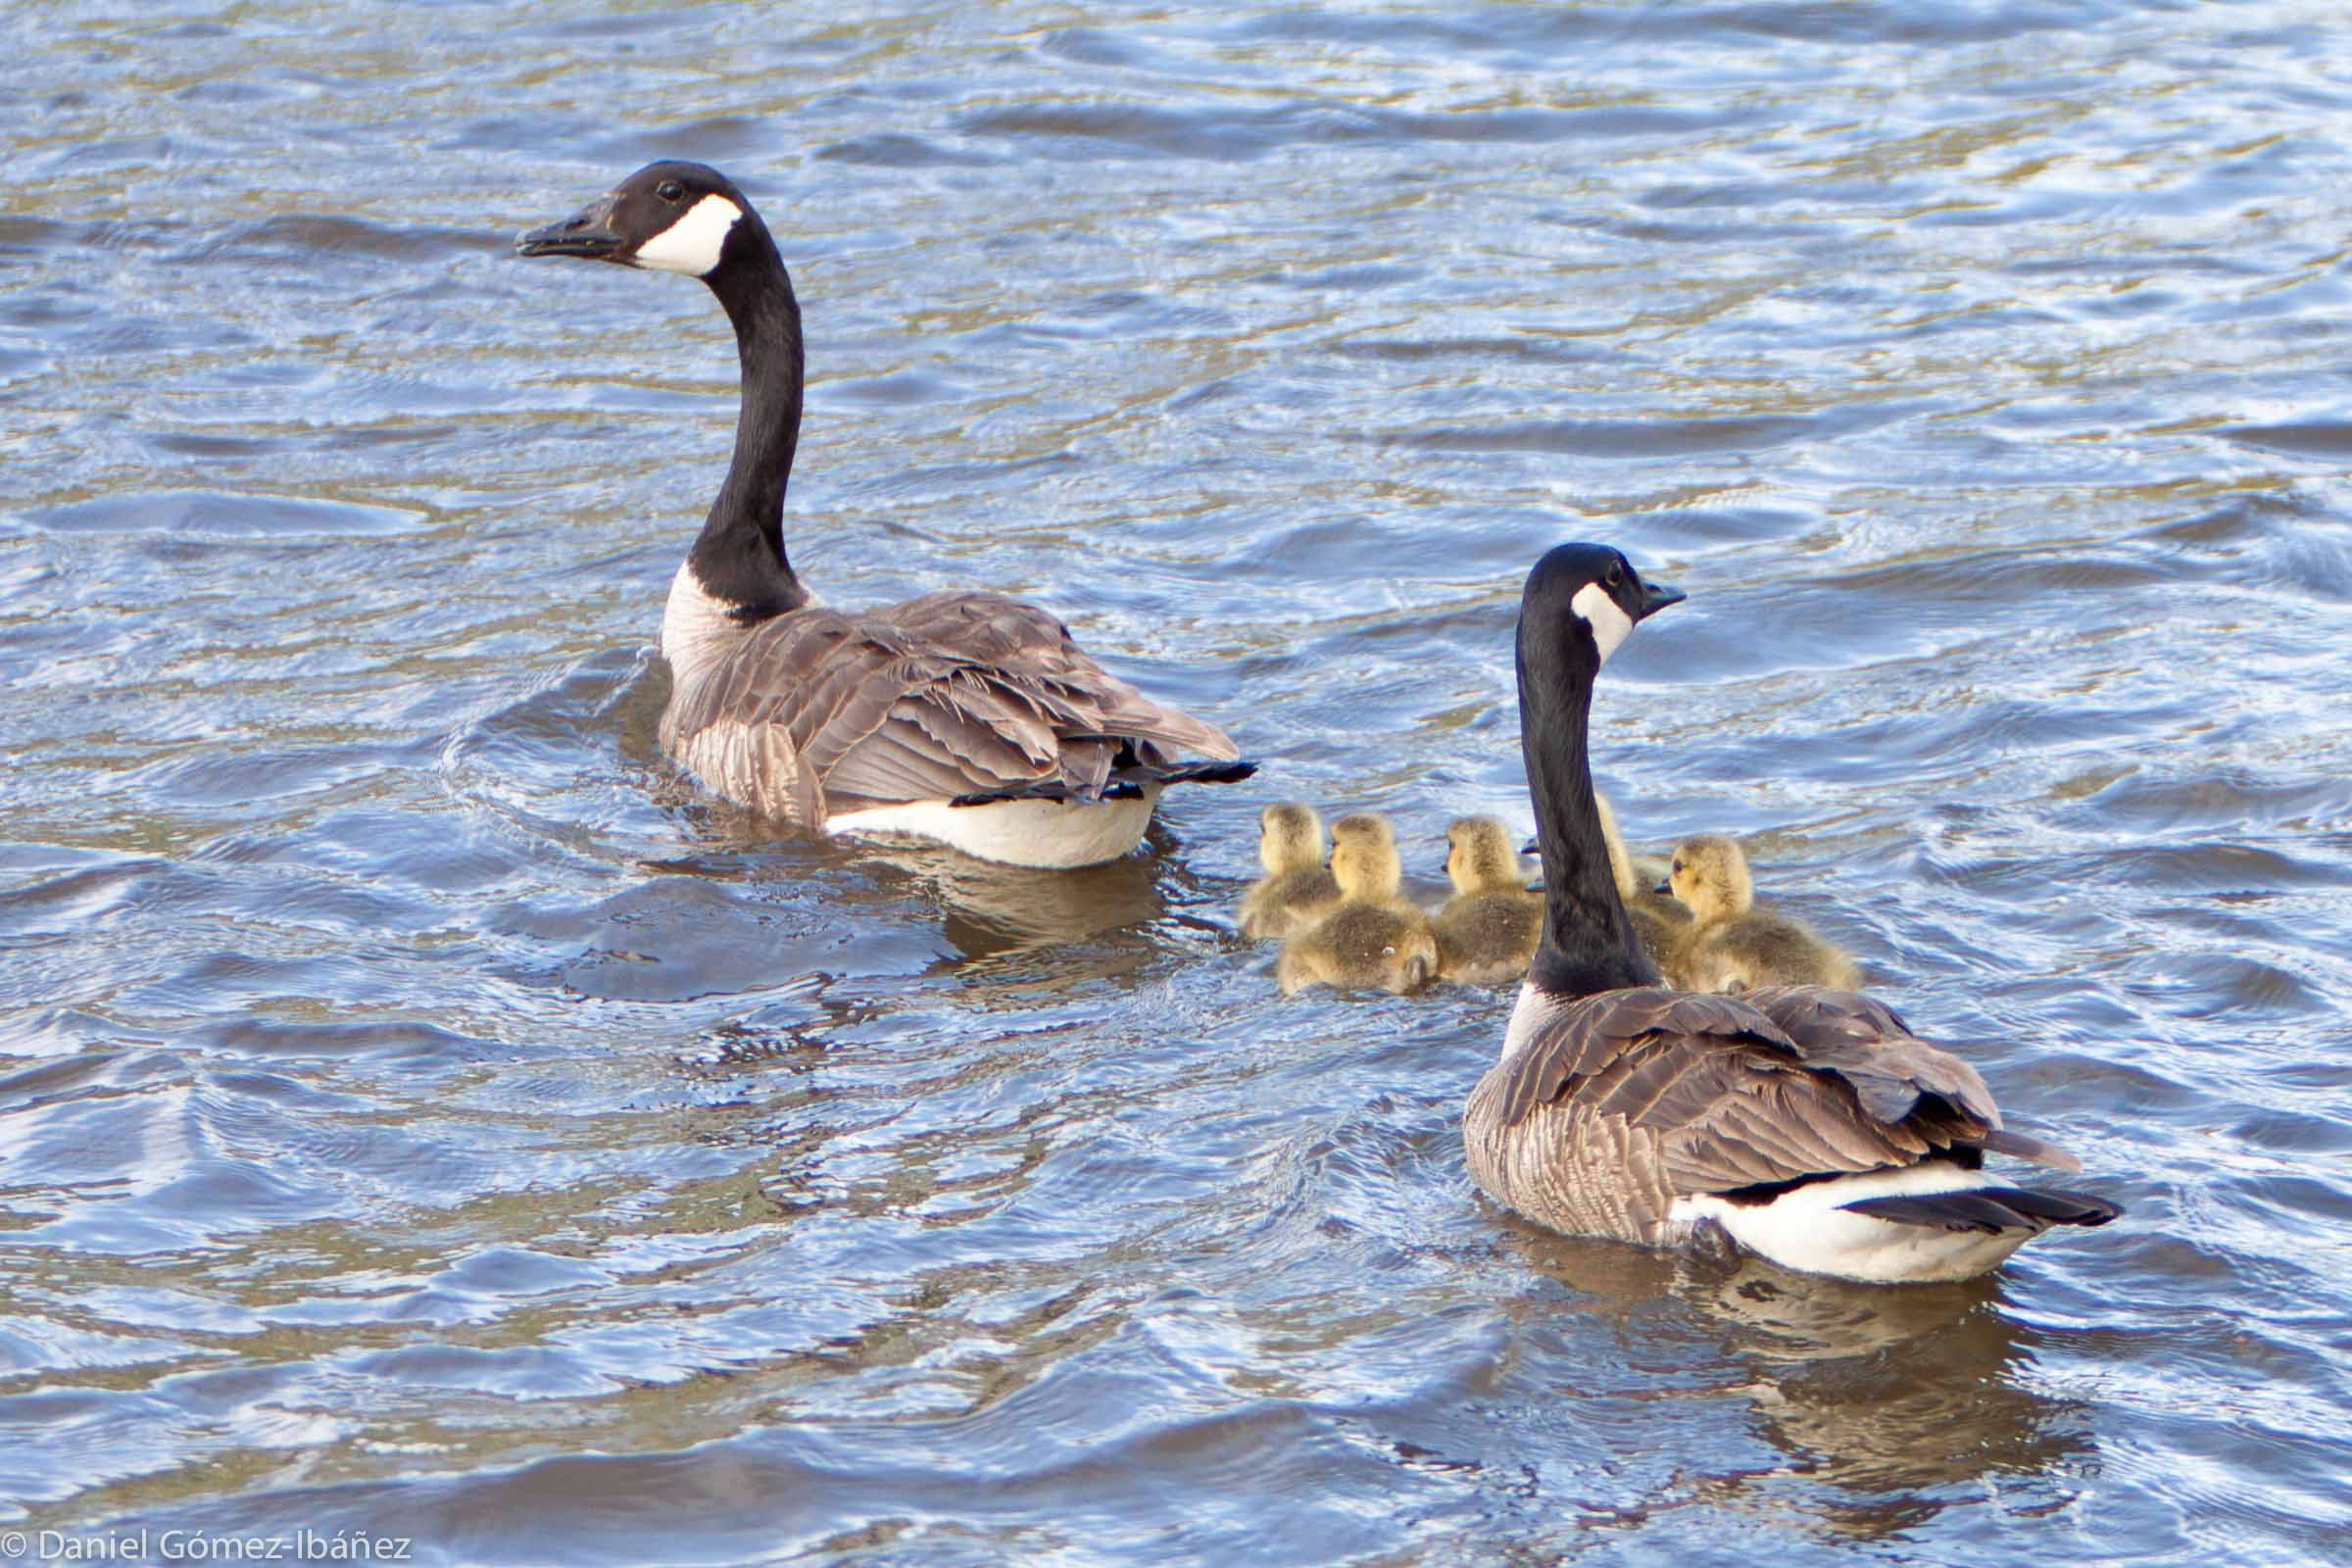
(422, 1116)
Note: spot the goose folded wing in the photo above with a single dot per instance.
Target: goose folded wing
(1581, 1038)
(1896, 1074)
(1727, 1118)
(812, 672)
(1732, 1099)
(966, 736)
(1030, 646)
(946, 695)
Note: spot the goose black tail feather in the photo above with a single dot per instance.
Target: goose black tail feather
(1124, 783)
(1991, 1209)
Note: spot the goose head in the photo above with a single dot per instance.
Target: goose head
(1363, 856)
(1588, 598)
(669, 217)
(1479, 857)
(1709, 874)
(1290, 838)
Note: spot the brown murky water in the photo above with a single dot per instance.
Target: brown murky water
(422, 1118)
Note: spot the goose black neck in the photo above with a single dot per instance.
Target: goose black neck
(739, 555)
(1589, 943)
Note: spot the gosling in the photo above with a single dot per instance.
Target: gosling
(1374, 939)
(1297, 889)
(1659, 922)
(1487, 931)
(1729, 944)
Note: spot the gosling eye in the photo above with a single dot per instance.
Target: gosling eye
(669, 190)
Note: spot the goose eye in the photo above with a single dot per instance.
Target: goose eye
(669, 190)
(1616, 573)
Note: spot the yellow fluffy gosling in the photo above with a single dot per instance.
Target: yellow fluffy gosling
(1487, 931)
(1731, 944)
(1297, 889)
(1374, 938)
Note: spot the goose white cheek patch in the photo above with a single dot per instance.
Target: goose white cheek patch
(691, 245)
(1610, 625)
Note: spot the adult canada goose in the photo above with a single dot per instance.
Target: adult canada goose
(1729, 944)
(1375, 939)
(1804, 1123)
(1487, 931)
(1298, 889)
(1659, 921)
(961, 716)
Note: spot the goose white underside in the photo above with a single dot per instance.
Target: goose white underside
(1053, 834)
(1806, 1230)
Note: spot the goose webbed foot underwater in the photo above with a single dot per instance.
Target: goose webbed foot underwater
(1807, 1123)
(960, 718)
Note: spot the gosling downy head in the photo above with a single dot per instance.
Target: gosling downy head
(1710, 875)
(1290, 838)
(1363, 856)
(1479, 857)
(669, 217)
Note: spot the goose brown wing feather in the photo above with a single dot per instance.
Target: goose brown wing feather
(1893, 1070)
(1586, 1034)
(991, 629)
(1734, 1100)
(946, 696)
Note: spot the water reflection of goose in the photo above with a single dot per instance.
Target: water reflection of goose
(1887, 1391)
(988, 910)
(962, 717)
(1807, 1124)
(1882, 1394)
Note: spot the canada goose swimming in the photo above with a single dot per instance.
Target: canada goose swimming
(1659, 921)
(1804, 1123)
(1374, 939)
(1729, 943)
(961, 716)
(1298, 889)
(1487, 931)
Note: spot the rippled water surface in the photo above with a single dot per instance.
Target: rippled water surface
(422, 1116)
